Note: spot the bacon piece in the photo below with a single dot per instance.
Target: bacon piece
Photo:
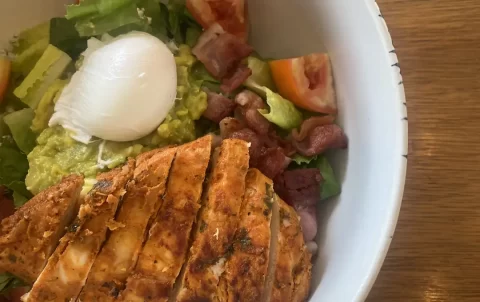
(248, 135)
(220, 52)
(219, 107)
(250, 103)
(272, 162)
(321, 139)
(236, 79)
(230, 125)
(300, 188)
(309, 124)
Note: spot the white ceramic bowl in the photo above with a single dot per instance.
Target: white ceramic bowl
(356, 229)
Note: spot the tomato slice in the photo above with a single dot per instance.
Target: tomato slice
(230, 14)
(5, 68)
(306, 81)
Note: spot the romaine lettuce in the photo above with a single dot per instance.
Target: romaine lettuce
(65, 37)
(282, 112)
(8, 282)
(330, 186)
(96, 17)
(261, 76)
(45, 107)
(29, 47)
(19, 123)
(49, 68)
(13, 169)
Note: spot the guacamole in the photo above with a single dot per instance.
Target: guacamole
(57, 154)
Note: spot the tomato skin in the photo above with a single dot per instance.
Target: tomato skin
(230, 14)
(306, 81)
(5, 69)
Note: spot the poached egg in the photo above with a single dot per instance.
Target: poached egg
(122, 92)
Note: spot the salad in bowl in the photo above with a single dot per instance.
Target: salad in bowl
(92, 100)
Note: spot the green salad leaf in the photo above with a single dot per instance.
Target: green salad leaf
(261, 76)
(13, 169)
(88, 8)
(300, 159)
(8, 282)
(19, 123)
(65, 37)
(330, 185)
(282, 112)
(96, 17)
(45, 107)
(49, 68)
(29, 47)
(181, 27)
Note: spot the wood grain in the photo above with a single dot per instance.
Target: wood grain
(435, 254)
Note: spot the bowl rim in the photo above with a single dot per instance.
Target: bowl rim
(397, 82)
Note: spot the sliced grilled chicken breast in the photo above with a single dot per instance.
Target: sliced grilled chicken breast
(141, 202)
(246, 270)
(218, 221)
(30, 235)
(163, 254)
(292, 266)
(68, 267)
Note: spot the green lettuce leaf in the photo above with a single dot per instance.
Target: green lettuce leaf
(261, 76)
(300, 159)
(8, 282)
(13, 163)
(29, 47)
(182, 28)
(88, 8)
(19, 123)
(282, 112)
(96, 17)
(65, 37)
(45, 108)
(330, 186)
(13, 169)
(49, 68)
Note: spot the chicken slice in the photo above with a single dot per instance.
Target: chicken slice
(67, 269)
(292, 270)
(30, 235)
(246, 270)
(218, 221)
(163, 254)
(141, 203)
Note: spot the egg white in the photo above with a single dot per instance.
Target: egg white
(122, 92)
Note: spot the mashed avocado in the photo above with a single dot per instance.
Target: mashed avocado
(191, 102)
(58, 155)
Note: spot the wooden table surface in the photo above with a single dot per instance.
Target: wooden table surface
(435, 253)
